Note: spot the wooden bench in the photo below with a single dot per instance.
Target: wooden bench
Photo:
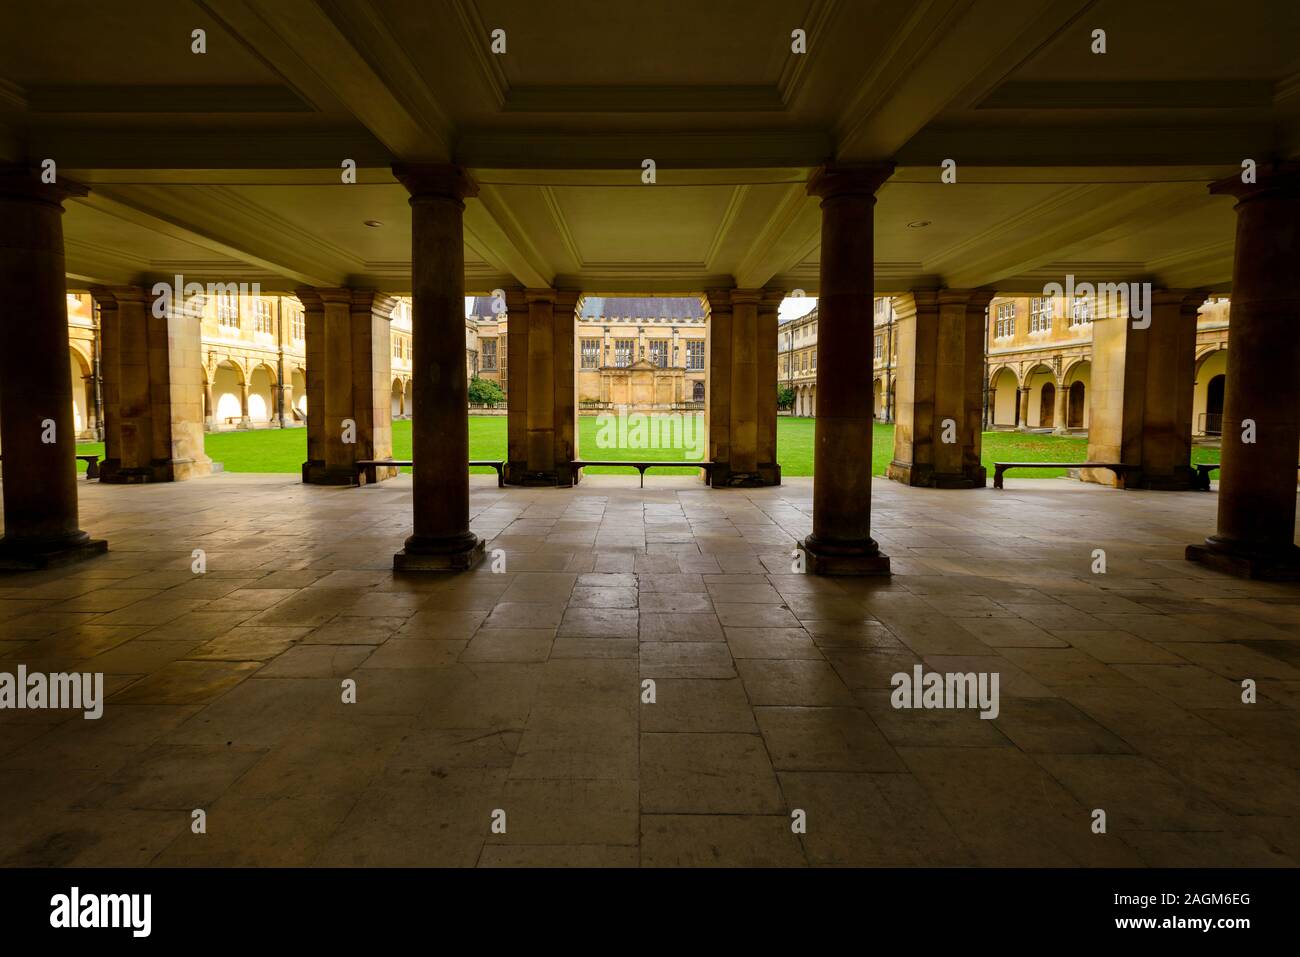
(92, 465)
(1121, 470)
(1203, 471)
(362, 465)
(580, 464)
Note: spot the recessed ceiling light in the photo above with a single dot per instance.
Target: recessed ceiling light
(919, 224)
(373, 223)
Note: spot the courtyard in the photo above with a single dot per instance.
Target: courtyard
(518, 688)
(283, 450)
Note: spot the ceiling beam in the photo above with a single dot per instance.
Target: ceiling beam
(214, 220)
(322, 59)
(949, 52)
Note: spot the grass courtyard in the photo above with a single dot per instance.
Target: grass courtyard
(283, 450)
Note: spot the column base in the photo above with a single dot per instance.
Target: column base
(20, 556)
(924, 476)
(438, 555)
(1263, 565)
(518, 473)
(823, 559)
(765, 476)
(318, 473)
(1183, 480)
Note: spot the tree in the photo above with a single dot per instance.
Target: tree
(485, 392)
(784, 397)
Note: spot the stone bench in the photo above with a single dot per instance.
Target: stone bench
(580, 464)
(1120, 469)
(92, 465)
(360, 467)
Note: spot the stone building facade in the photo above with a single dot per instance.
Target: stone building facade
(797, 361)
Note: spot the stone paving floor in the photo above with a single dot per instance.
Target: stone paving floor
(521, 690)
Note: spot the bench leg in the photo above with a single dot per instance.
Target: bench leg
(92, 470)
(642, 471)
(501, 476)
(997, 477)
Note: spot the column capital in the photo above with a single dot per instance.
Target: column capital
(835, 180)
(107, 297)
(772, 299)
(379, 304)
(435, 181)
(915, 300)
(23, 183)
(545, 294)
(746, 296)
(717, 300)
(1271, 179)
(971, 298)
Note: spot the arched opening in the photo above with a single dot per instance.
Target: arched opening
(299, 404)
(697, 392)
(1214, 405)
(226, 389)
(1005, 394)
(1047, 405)
(877, 393)
(410, 398)
(1078, 405)
(398, 397)
(261, 396)
(1207, 394)
(1036, 381)
(1077, 382)
(82, 403)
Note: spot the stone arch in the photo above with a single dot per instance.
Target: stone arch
(298, 378)
(1207, 393)
(83, 391)
(397, 396)
(1004, 395)
(261, 394)
(1077, 382)
(228, 380)
(878, 398)
(410, 397)
(1037, 379)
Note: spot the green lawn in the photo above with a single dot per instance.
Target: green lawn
(283, 450)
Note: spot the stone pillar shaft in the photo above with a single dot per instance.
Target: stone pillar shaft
(1261, 414)
(841, 542)
(40, 467)
(541, 403)
(940, 392)
(1144, 377)
(742, 387)
(152, 388)
(441, 539)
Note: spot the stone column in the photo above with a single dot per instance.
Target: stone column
(372, 378)
(1144, 379)
(841, 542)
(441, 539)
(40, 467)
(153, 382)
(742, 364)
(1022, 409)
(541, 406)
(940, 391)
(1261, 414)
(1061, 420)
(207, 405)
(349, 413)
(768, 308)
(244, 421)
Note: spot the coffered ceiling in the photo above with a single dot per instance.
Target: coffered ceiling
(226, 164)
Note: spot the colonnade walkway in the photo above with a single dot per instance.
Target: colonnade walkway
(520, 689)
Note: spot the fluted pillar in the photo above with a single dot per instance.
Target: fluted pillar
(36, 423)
(841, 542)
(441, 539)
(1261, 414)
